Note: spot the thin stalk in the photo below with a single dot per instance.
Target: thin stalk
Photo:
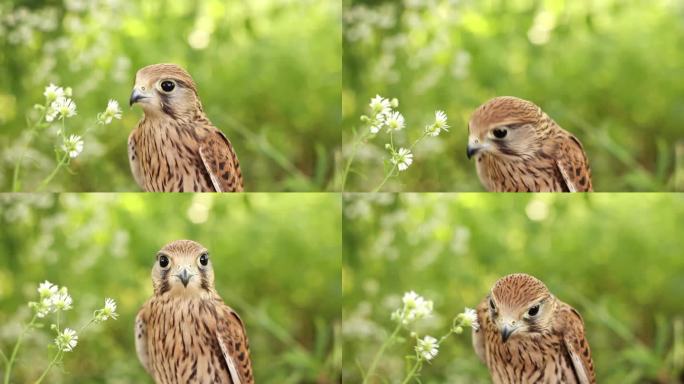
(387, 177)
(384, 346)
(52, 363)
(16, 186)
(350, 160)
(52, 175)
(413, 371)
(8, 367)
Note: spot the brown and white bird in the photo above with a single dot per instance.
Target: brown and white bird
(527, 335)
(175, 148)
(185, 333)
(519, 148)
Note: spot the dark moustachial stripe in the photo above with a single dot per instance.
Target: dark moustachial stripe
(166, 107)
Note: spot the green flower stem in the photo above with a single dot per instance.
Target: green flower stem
(412, 372)
(52, 175)
(13, 356)
(16, 185)
(52, 363)
(350, 160)
(387, 177)
(384, 346)
(417, 141)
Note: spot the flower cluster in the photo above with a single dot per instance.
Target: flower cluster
(60, 104)
(52, 299)
(383, 116)
(415, 307)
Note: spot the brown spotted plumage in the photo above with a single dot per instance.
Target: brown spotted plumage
(175, 148)
(185, 333)
(527, 335)
(519, 148)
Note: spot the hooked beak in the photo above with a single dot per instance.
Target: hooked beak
(184, 276)
(136, 96)
(474, 146)
(507, 331)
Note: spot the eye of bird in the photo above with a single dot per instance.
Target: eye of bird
(204, 259)
(500, 133)
(168, 85)
(491, 304)
(534, 310)
(163, 261)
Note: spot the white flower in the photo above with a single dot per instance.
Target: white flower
(379, 105)
(61, 301)
(73, 145)
(394, 121)
(109, 311)
(113, 111)
(375, 128)
(47, 289)
(67, 340)
(427, 348)
(439, 125)
(53, 92)
(469, 316)
(63, 106)
(402, 159)
(415, 307)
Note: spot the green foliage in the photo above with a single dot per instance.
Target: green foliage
(615, 258)
(606, 71)
(282, 280)
(268, 73)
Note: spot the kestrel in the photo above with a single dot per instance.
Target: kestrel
(527, 335)
(519, 148)
(185, 333)
(175, 148)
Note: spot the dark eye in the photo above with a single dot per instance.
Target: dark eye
(533, 311)
(491, 304)
(500, 133)
(163, 261)
(167, 85)
(204, 259)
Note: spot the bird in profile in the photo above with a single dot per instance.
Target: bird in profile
(175, 148)
(519, 148)
(527, 335)
(185, 333)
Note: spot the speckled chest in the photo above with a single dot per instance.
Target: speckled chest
(168, 159)
(535, 175)
(539, 359)
(182, 342)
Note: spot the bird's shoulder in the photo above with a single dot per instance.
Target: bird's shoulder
(567, 152)
(570, 326)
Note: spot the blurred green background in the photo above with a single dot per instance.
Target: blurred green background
(608, 71)
(268, 73)
(284, 282)
(616, 258)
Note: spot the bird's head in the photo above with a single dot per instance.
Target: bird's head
(505, 127)
(183, 267)
(165, 89)
(520, 306)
